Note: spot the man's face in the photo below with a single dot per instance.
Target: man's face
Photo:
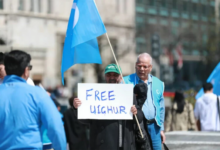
(112, 77)
(143, 67)
(2, 71)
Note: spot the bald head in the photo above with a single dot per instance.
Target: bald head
(144, 56)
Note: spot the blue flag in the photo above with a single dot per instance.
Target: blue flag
(214, 78)
(84, 26)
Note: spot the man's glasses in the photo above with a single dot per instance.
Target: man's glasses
(29, 67)
(144, 67)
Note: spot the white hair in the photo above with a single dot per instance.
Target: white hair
(144, 55)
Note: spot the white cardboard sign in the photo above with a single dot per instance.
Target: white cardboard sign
(105, 101)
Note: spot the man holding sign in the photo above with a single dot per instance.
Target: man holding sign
(111, 134)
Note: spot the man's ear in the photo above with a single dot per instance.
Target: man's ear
(25, 74)
(151, 67)
(120, 78)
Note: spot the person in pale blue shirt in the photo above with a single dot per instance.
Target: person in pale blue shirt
(24, 108)
(153, 108)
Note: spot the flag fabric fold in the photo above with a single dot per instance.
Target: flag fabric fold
(214, 78)
(84, 26)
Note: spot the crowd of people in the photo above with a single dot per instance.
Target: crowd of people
(204, 117)
(30, 118)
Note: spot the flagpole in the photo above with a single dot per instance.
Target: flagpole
(114, 57)
(122, 78)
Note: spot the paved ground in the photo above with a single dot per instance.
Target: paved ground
(193, 140)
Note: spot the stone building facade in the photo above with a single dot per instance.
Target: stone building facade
(39, 27)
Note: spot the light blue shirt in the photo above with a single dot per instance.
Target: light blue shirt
(148, 108)
(23, 108)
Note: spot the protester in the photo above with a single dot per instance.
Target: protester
(24, 108)
(111, 134)
(140, 90)
(181, 116)
(75, 131)
(153, 107)
(2, 67)
(206, 110)
(47, 145)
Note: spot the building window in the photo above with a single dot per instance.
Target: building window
(31, 5)
(194, 8)
(185, 25)
(203, 2)
(141, 47)
(211, 11)
(49, 6)
(140, 9)
(152, 21)
(204, 11)
(163, 3)
(152, 10)
(205, 38)
(212, 3)
(196, 1)
(21, 5)
(139, 19)
(39, 5)
(203, 27)
(152, 2)
(175, 23)
(164, 22)
(174, 4)
(2, 42)
(185, 6)
(1, 4)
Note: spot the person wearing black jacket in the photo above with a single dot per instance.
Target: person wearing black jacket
(112, 134)
(142, 143)
(75, 131)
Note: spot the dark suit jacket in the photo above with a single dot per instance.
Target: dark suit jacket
(104, 134)
(75, 131)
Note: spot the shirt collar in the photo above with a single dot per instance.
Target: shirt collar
(13, 78)
(148, 81)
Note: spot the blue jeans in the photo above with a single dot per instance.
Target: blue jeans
(47, 147)
(154, 131)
